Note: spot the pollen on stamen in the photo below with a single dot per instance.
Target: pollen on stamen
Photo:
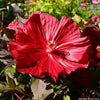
(50, 47)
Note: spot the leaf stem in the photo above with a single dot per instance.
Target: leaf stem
(24, 93)
(12, 97)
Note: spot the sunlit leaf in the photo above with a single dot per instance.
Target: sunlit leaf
(46, 93)
(68, 2)
(38, 87)
(99, 25)
(67, 97)
(77, 18)
(10, 71)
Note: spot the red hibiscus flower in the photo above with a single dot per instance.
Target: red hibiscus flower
(44, 46)
(94, 35)
(13, 25)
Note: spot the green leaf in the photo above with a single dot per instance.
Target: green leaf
(20, 88)
(77, 18)
(99, 25)
(10, 71)
(67, 97)
(11, 82)
(4, 87)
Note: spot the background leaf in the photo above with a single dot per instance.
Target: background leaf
(46, 93)
(11, 82)
(38, 87)
(67, 97)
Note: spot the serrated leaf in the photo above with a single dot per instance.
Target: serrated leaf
(11, 82)
(38, 87)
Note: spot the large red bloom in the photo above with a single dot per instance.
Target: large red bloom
(44, 46)
(94, 36)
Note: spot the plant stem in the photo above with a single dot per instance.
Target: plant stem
(12, 97)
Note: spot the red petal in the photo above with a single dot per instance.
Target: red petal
(67, 31)
(13, 25)
(70, 66)
(47, 65)
(32, 28)
(25, 49)
(74, 50)
(49, 25)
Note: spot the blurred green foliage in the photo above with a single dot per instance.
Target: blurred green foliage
(66, 8)
(56, 8)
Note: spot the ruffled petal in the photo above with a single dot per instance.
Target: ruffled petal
(74, 50)
(13, 25)
(32, 28)
(49, 25)
(66, 32)
(23, 48)
(46, 66)
(69, 65)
